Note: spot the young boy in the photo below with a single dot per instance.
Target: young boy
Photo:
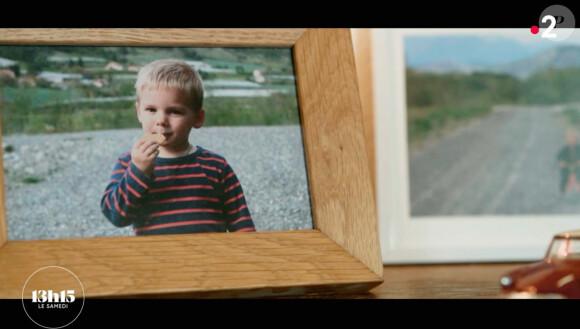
(173, 187)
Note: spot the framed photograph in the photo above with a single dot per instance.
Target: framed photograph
(69, 111)
(474, 143)
(339, 254)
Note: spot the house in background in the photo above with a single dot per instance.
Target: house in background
(98, 83)
(7, 73)
(259, 76)
(58, 79)
(5, 62)
(7, 77)
(114, 66)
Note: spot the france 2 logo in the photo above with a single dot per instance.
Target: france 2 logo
(556, 23)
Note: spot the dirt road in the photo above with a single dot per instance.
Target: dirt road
(503, 164)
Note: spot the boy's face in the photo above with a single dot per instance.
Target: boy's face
(571, 139)
(168, 112)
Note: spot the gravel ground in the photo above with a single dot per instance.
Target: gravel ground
(54, 183)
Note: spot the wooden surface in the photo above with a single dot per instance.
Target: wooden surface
(454, 281)
(158, 37)
(341, 254)
(363, 57)
(216, 264)
(334, 143)
(3, 237)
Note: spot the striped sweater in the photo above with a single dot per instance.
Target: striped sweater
(195, 193)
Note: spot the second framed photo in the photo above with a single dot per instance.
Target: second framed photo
(476, 135)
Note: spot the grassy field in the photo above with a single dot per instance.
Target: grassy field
(77, 106)
(437, 102)
(424, 122)
(26, 111)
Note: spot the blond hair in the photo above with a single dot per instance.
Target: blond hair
(171, 73)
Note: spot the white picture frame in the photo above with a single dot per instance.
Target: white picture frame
(458, 239)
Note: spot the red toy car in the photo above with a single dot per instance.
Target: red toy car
(556, 276)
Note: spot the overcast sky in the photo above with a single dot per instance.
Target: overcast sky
(521, 35)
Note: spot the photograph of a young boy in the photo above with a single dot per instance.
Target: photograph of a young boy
(173, 187)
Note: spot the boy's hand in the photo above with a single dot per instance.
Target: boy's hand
(143, 156)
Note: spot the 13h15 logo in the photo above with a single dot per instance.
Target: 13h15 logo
(50, 299)
(53, 297)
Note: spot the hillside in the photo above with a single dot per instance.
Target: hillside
(470, 54)
(556, 58)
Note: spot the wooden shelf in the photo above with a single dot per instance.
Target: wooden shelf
(450, 281)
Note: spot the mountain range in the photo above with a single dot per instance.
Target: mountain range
(468, 54)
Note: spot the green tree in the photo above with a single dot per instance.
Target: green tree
(552, 86)
(38, 64)
(15, 69)
(191, 53)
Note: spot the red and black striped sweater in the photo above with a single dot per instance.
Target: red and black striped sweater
(195, 193)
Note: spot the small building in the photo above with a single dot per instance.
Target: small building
(98, 83)
(7, 73)
(114, 66)
(259, 76)
(5, 62)
(133, 68)
(59, 79)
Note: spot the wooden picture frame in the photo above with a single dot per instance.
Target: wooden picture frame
(341, 253)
